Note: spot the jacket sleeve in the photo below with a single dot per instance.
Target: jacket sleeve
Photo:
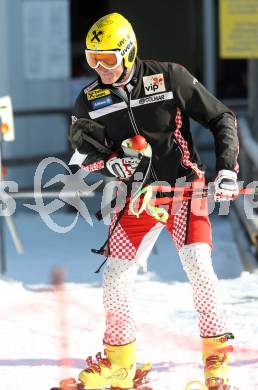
(94, 160)
(197, 102)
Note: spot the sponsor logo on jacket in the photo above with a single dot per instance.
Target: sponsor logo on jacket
(97, 93)
(154, 84)
(152, 99)
(102, 102)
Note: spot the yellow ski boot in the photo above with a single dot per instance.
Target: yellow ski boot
(116, 369)
(215, 357)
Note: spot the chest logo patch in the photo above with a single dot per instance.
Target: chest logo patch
(97, 93)
(154, 84)
(102, 102)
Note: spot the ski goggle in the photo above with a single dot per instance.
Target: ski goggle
(107, 59)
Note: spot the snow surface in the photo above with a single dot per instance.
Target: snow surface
(47, 333)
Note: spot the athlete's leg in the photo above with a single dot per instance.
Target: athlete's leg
(192, 237)
(197, 263)
(129, 246)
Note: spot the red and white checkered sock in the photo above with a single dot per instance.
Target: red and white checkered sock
(196, 260)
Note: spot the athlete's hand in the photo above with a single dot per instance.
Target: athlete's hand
(225, 186)
(122, 167)
(83, 127)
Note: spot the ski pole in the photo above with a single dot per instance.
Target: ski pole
(200, 190)
(196, 193)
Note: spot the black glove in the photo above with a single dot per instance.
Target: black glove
(88, 136)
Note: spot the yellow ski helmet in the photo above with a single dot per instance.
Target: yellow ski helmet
(113, 33)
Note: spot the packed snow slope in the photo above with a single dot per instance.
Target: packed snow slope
(46, 332)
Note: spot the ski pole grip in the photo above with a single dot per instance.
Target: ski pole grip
(98, 251)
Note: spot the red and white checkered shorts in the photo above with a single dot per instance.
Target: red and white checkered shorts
(134, 237)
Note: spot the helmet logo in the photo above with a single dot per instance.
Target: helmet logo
(95, 35)
(128, 47)
(105, 21)
(123, 40)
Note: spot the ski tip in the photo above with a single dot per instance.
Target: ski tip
(67, 384)
(145, 367)
(196, 385)
(141, 378)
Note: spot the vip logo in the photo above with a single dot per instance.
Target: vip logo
(154, 83)
(96, 35)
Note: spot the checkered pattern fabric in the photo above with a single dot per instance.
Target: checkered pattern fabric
(236, 167)
(96, 166)
(120, 245)
(183, 145)
(180, 225)
(123, 246)
(118, 281)
(196, 260)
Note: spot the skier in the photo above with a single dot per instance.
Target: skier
(155, 100)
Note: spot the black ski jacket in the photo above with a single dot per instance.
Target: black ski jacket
(157, 103)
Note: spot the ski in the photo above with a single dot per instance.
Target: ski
(140, 381)
(141, 376)
(79, 386)
(196, 385)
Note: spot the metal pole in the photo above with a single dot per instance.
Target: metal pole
(15, 237)
(2, 257)
(253, 96)
(209, 49)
